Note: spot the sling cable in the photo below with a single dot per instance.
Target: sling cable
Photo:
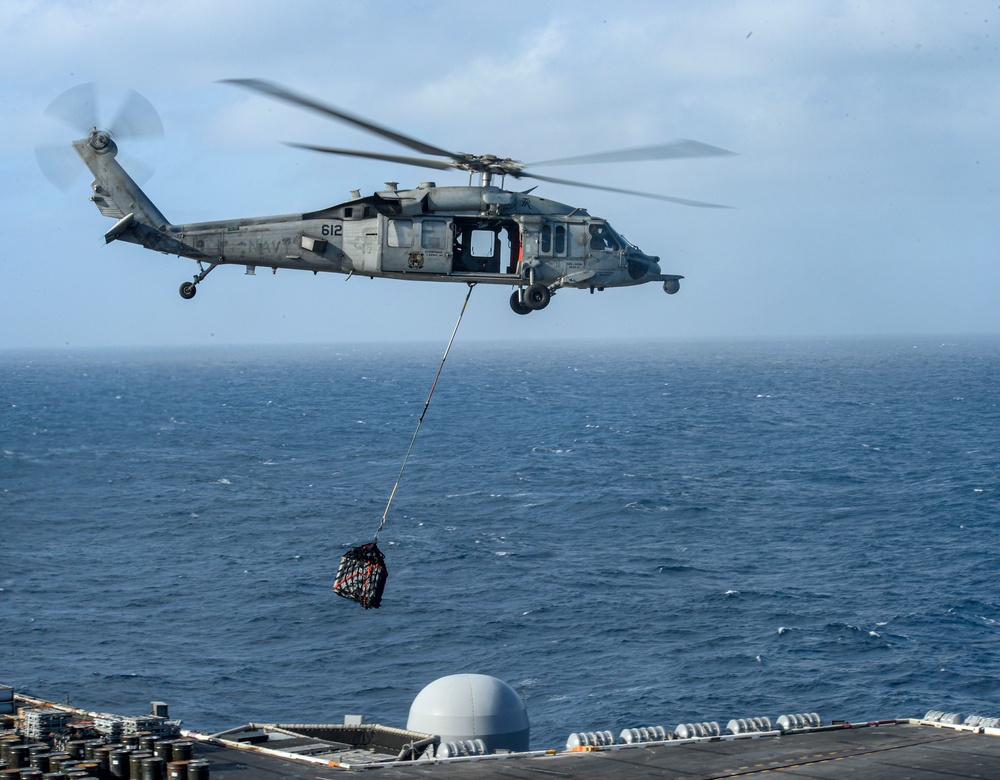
(362, 572)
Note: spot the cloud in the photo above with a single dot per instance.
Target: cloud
(865, 186)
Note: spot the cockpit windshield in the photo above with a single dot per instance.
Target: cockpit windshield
(604, 238)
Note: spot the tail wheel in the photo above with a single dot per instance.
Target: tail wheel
(188, 290)
(516, 305)
(537, 296)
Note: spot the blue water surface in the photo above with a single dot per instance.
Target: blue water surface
(627, 533)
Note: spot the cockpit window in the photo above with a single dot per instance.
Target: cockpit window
(603, 238)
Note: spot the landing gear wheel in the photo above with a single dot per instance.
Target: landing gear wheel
(188, 290)
(537, 296)
(516, 305)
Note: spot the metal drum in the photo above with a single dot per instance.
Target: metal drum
(103, 762)
(5, 743)
(56, 761)
(177, 770)
(197, 770)
(18, 756)
(164, 749)
(135, 763)
(118, 765)
(183, 750)
(154, 768)
(40, 761)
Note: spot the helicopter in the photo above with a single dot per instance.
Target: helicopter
(480, 233)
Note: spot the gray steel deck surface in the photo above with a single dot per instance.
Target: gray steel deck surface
(899, 751)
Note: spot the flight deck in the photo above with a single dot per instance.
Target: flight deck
(935, 746)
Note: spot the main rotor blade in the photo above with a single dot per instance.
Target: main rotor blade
(668, 198)
(421, 162)
(674, 150)
(274, 90)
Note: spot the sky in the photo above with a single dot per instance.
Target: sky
(865, 191)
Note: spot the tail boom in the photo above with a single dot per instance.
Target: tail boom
(117, 195)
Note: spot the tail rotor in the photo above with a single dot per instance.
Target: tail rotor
(78, 110)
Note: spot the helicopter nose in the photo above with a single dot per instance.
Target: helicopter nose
(651, 262)
(640, 266)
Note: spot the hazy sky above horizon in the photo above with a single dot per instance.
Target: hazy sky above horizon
(866, 190)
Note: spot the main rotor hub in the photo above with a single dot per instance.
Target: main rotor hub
(488, 163)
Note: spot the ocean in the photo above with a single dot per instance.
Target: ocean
(629, 534)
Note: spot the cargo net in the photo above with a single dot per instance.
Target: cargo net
(361, 575)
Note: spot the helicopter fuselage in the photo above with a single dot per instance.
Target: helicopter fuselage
(480, 235)
(461, 234)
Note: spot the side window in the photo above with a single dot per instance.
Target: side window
(483, 243)
(553, 239)
(400, 232)
(433, 233)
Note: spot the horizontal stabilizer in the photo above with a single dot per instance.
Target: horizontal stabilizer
(127, 229)
(120, 227)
